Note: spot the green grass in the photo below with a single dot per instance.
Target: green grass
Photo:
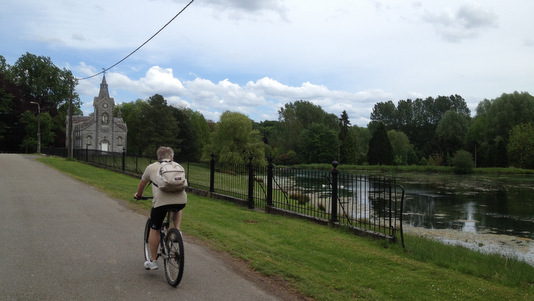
(394, 169)
(332, 264)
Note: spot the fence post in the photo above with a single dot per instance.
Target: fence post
(123, 159)
(270, 181)
(212, 173)
(335, 173)
(250, 183)
(87, 153)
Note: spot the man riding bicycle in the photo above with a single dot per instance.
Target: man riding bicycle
(161, 203)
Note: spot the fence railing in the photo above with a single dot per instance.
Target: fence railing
(369, 205)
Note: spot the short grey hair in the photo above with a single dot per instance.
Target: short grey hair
(165, 153)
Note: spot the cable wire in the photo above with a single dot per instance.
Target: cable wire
(106, 69)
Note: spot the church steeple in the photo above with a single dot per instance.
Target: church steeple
(103, 89)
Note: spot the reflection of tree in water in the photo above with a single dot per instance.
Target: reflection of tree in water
(487, 208)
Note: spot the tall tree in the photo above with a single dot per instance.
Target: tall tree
(380, 149)
(349, 142)
(451, 132)
(32, 79)
(44, 81)
(201, 131)
(403, 153)
(186, 135)
(159, 127)
(234, 140)
(132, 114)
(319, 144)
(507, 111)
(29, 142)
(386, 113)
(521, 146)
(296, 117)
(418, 119)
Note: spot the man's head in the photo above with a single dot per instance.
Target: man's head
(165, 153)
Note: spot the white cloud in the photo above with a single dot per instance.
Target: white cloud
(246, 9)
(467, 22)
(260, 100)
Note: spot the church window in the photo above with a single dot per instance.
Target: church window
(105, 118)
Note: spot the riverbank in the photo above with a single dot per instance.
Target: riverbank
(487, 243)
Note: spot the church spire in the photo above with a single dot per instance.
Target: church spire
(103, 89)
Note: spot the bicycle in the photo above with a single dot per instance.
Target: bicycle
(171, 248)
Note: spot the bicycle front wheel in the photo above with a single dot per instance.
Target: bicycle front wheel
(174, 261)
(145, 240)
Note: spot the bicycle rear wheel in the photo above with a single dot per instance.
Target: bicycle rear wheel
(145, 240)
(174, 261)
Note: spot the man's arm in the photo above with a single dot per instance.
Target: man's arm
(140, 189)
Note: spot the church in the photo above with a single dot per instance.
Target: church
(100, 131)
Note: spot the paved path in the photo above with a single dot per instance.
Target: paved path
(63, 240)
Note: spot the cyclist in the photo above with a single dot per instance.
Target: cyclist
(161, 203)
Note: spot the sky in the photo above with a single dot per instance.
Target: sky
(253, 57)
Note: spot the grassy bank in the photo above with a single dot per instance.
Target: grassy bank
(394, 169)
(330, 264)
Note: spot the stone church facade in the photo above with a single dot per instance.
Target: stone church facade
(101, 131)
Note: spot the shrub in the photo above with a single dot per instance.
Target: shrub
(289, 158)
(435, 160)
(463, 162)
(300, 198)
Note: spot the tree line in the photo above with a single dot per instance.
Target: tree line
(429, 131)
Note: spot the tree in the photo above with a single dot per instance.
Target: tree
(293, 119)
(132, 114)
(201, 131)
(43, 81)
(380, 149)
(475, 140)
(11, 108)
(385, 112)
(348, 142)
(234, 140)
(319, 144)
(507, 111)
(521, 146)
(32, 79)
(159, 127)
(186, 135)
(362, 136)
(29, 142)
(451, 132)
(418, 119)
(463, 162)
(403, 152)
(498, 152)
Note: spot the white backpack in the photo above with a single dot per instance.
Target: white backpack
(171, 177)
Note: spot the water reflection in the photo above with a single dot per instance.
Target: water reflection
(472, 205)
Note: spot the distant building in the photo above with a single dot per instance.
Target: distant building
(100, 131)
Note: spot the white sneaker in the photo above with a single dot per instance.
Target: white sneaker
(151, 265)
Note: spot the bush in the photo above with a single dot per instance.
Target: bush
(435, 160)
(300, 197)
(463, 162)
(290, 158)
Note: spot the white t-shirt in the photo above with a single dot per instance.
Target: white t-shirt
(162, 198)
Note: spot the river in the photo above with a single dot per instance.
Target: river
(491, 214)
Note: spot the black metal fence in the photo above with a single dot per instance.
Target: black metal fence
(369, 205)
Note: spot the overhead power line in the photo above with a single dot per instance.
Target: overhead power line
(106, 69)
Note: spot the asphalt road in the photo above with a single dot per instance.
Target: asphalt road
(63, 240)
